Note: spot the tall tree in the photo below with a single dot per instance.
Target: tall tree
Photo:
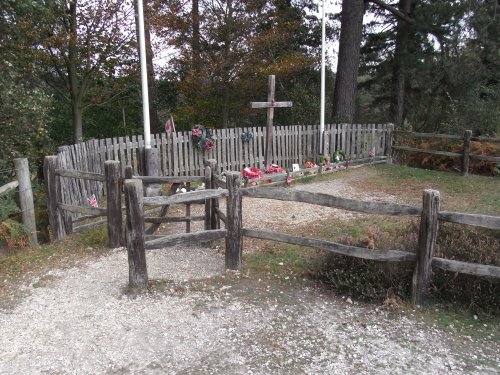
(346, 81)
(81, 40)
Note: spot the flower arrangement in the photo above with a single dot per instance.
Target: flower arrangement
(246, 136)
(202, 137)
(251, 172)
(274, 168)
(309, 164)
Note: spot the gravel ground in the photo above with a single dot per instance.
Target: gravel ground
(198, 319)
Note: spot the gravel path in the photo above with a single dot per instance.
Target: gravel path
(198, 319)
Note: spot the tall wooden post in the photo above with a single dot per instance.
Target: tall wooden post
(466, 153)
(114, 202)
(426, 243)
(388, 142)
(234, 240)
(26, 198)
(53, 187)
(137, 269)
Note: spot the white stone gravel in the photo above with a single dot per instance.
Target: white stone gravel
(81, 321)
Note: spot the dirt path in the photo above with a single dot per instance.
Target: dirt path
(200, 320)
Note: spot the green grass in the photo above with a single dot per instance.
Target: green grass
(473, 193)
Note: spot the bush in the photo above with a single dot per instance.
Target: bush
(377, 281)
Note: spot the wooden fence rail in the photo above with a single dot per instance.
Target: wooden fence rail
(465, 155)
(26, 203)
(424, 259)
(430, 215)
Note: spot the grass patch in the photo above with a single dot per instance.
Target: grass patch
(280, 260)
(18, 262)
(473, 193)
(452, 319)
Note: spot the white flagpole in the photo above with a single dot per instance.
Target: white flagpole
(144, 76)
(323, 48)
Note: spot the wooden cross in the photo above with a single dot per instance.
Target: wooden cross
(270, 105)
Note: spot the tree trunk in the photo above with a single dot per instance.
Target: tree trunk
(195, 42)
(346, 80)
(396, 109)
(152, 92)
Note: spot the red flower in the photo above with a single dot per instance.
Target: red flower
(209, 144)
(196, 132)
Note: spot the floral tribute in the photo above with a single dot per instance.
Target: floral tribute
(274, 168)
(309, 164)
(202, 137)
(251, 172)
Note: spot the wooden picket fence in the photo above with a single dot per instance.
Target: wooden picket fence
(179, 157)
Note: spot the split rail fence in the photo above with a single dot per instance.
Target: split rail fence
(424, 259)
(465, 155)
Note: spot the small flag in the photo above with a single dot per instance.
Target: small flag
(169, 125)
(92, 201)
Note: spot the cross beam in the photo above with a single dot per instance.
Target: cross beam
(270, 105)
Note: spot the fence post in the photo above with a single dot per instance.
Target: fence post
(152, 157)
(129, 172)
(26, 198)
(52, 185)
(114, 202)
(208, 202)
(466, 153)
(388, 142)
(234, 242)
(137, 270)
(214, 222)
(426, 243)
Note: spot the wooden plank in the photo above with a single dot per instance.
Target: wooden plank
(221, 215)
(357, 252)
(494, 159)
(186, 238)
(467, 268)
(173, 219)
(168, 179)
(322, 199)
(427, 135)
(432, 152)
(186, 197)
(8, 187)
(83, 210)
(79, 174)
(485, 139)
(483, 221)
(84, 227)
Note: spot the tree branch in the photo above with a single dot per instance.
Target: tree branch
(393, 10)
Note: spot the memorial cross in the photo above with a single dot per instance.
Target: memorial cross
(270, 105)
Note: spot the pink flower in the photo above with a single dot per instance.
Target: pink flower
(196, 132)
